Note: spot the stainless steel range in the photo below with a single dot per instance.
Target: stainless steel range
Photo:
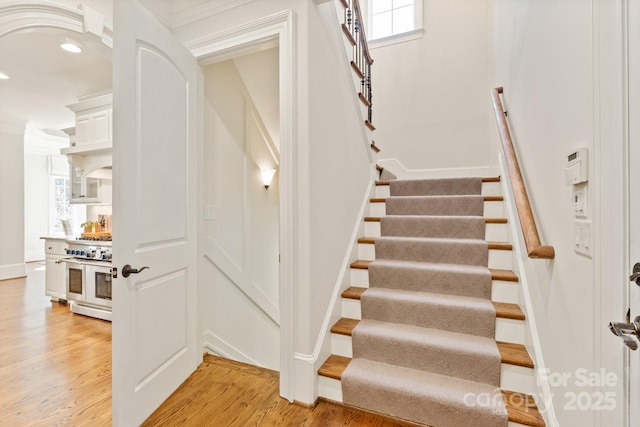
(89, 277)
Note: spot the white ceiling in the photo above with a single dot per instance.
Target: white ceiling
(44, 78)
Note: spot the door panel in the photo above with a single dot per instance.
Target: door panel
(154, 213)
(634, 197)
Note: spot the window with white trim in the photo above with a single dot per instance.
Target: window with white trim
(388, 18)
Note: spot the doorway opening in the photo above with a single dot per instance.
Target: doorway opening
(239, 280)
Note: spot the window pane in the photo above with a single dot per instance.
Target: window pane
(403, 19)
(400, 3)
(381, 6)
(382, 25)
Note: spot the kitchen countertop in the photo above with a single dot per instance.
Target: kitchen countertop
(59, 238)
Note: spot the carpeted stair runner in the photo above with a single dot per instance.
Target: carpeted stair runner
(435, 205)
(427, 335)
(438, 311)
(467, 227)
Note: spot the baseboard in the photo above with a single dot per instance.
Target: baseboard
(13, 271)
(216, 345)
(396, 167)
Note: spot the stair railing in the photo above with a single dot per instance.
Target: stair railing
(529, 230)
(361, 63)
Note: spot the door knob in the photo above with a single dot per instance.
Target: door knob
(627, 331)
(127, 270)
(635, 277)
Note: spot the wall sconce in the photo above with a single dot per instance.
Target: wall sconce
(267, 176)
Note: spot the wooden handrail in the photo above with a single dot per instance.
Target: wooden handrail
(527, 222)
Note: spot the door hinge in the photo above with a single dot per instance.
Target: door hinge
(114, 272)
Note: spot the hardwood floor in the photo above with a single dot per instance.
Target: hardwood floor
(226, 393)
(55, 366)
(55, 370)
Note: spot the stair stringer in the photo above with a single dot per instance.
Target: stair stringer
(532, 338)
(322, 347)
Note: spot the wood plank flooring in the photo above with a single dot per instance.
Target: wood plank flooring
(55, 370)
(55, 366)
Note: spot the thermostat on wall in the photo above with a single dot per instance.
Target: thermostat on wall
(577, 169)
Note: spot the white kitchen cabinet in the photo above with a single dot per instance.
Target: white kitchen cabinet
(93, 122)
(84, 189)
(93, 129)
(55, 273)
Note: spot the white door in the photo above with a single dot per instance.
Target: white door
(154, 213)
(634, 198)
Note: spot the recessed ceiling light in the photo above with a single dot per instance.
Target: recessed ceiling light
(70, 47)
(3, 76)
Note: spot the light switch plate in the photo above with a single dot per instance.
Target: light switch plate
(209, 212)
(582, 242)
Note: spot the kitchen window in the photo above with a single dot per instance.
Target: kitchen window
(60, 207)
(395, 19)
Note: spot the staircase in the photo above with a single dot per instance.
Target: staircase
(431, 330)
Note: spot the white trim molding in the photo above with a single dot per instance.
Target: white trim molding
(23, 16)
(13, 271)
(400, 170)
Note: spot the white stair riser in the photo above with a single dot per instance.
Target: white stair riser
(514, 378)
(501, 291)
(491, 209)
(499, 259)
(329, 388)
(507, 330)
(496, 233)
(488, 189)
(332, 389)
(493, 233)
(382, 191)
(341, 345)
(491, 189)
(518, 378)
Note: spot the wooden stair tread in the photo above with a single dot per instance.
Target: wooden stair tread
(504, 310)
(353, 292)
(521, 407)
(514, 354)
(504, 275)
(510, 353)
(344, 326)
(486, 198)
(496, 274)
(348, 35)
(334, 366)
(364, 100)
(486, 220)
(368, 123)
(378, 167)
(374, 147)
(501, 246)
(487, 179)
(496, 220)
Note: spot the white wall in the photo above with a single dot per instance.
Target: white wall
(431, 95)
(11, 201)
(239, 282)
(543, 56)
(259, 72)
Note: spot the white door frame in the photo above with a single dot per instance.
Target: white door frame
(280, 26)
(611, 170)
